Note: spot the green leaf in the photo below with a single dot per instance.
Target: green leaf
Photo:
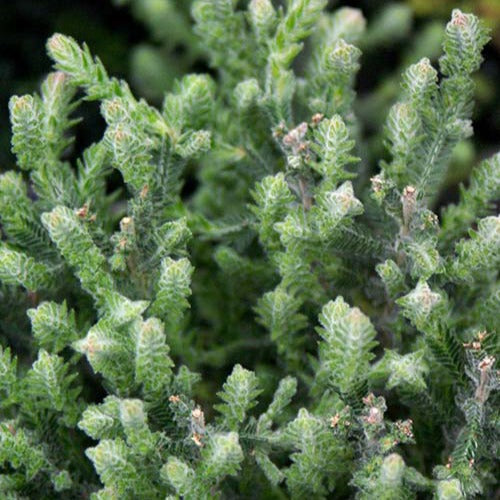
(53, 325)
(239, 395)
(153, 366)
(346, 350)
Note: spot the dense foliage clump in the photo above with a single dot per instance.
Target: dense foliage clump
(353, 327)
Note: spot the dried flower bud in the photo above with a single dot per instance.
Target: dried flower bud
(409, 202)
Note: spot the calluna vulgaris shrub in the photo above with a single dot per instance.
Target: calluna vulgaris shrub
(355, 329)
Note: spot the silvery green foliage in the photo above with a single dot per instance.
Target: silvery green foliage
(312, 303)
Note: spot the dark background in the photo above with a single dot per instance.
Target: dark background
(112, 31)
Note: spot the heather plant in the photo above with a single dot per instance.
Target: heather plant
(288, 325)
